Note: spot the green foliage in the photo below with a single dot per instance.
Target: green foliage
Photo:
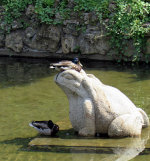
(128, 23)
(45, 10)
(86, 5)
(124, 19)
(14, 9)
(2, 2)
(98, 6)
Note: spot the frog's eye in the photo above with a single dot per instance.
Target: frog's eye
(69, 77)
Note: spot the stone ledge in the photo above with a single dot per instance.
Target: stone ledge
(42, 54)
(49, 55)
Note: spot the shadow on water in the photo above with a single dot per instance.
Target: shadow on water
(16, 71)
(22, 71)
(56, 148)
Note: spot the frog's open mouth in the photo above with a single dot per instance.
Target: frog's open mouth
(57, 76)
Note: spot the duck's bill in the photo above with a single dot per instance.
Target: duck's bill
(52, 67)
(80, 64)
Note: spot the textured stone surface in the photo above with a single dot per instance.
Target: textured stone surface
(93, 42)
(2, 37)
(46, 38)
(14, 41)
(30, 32)
(30, 11)
(98, 108)
(16, 25)
(68, 43)
(86, 18)
(70, 29)
(71, 22)
(129, 49)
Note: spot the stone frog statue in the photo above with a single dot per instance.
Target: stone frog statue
(99, 108)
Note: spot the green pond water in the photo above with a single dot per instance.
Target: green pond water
(28, 92)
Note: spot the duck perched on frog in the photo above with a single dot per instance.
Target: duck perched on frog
(65, 65)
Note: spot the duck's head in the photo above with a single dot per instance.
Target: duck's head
(50, 124)
(53, 127)
(77, 61)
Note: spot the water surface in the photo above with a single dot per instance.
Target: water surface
(28, 92)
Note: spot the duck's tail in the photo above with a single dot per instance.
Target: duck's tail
(30, 124)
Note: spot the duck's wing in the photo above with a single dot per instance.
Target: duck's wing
(64, 63)
(39, 124)
(41, 127)
(45, 131)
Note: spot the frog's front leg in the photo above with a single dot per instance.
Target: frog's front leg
(89, 117)
(125, 125)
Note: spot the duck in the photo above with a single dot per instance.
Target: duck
(66, 64)
(45, 127)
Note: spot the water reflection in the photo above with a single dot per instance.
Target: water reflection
(125, 150)
(138, 72)
(96, 149)
(18, 72)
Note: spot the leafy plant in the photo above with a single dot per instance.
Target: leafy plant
(14, 9)
(124, 19)
(128, 23)
(44, 10)
(2, 2)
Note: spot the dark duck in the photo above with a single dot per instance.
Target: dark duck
(45, 127)
(65, 65)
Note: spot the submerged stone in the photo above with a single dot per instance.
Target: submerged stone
(123, 149)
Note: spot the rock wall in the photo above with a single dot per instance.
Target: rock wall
(84, 38)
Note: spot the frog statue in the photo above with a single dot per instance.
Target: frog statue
(96, 108)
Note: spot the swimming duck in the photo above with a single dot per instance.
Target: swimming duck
(45, 127)
(65, 65)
